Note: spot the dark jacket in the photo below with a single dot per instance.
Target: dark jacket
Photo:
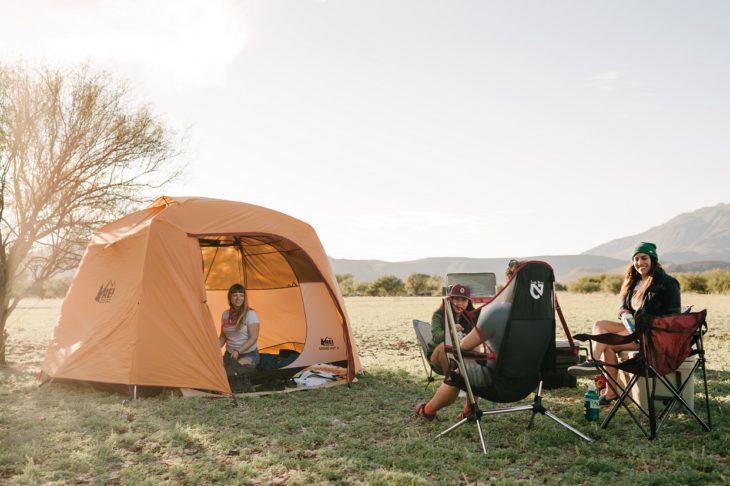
(661, 298)
(466, 319)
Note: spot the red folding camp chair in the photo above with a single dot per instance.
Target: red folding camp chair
(665, 342)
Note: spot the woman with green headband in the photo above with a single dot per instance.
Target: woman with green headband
(647, 289)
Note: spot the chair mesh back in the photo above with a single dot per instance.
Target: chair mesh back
(667, 340)
(423, 334)
(528, 338)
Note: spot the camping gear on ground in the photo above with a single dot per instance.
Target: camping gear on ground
(514, 370)
(591, 409)
(665, 343)
(144, 307)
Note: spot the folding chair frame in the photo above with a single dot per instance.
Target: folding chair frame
(640, 369)
(427, 366)
(475, 414)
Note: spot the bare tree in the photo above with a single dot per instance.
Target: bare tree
(74, 154)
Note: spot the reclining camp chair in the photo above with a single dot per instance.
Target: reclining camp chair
(423, 334)
(665, 342)
(512, 372)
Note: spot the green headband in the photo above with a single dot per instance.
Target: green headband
(646, 247)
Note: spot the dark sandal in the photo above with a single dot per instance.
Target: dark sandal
(421, 412)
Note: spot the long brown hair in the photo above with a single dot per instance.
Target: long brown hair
(632, 276)
(238, 315)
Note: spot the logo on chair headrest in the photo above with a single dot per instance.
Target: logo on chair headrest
(536, 289)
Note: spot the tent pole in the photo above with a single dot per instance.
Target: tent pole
(134, 397)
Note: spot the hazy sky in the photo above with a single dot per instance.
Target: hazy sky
(411, 129)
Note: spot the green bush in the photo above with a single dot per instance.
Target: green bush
(386, 285)
(560, 287)
(718, 281)
(423, 284)
(587, 284)
(612, 283)
(692, 282)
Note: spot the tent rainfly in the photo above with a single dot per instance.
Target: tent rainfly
(144, 307)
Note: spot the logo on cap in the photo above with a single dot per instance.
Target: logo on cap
(459, 290)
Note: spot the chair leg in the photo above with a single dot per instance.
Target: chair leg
(476, 416)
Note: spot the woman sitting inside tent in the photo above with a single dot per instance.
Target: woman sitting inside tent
(240, 329)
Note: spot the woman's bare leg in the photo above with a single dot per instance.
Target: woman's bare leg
(603, 327)
(439, 358)
(610, 356)
(444, 396)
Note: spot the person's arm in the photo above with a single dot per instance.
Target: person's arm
(623, 308)
(222, 336)
(471, 340)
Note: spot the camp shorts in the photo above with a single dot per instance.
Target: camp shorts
(251, 355)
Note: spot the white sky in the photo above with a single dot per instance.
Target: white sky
(412, 129)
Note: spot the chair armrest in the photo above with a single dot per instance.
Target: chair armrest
(475, 355)
(608, 338)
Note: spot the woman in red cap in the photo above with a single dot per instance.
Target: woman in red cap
(465, 317)
(647, 288)
(472, 338)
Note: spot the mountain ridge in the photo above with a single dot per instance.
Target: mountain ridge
(694, 241)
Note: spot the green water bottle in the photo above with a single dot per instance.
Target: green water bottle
(591, 403)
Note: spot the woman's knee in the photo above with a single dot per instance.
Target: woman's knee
(599, 326)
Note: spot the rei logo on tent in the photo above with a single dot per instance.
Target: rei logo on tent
(536, 289)
(327, 343)
(105, 293)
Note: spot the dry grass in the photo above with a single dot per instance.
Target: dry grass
(385, 337)
(366, 434)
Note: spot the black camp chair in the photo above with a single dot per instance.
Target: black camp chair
(423, 334)
(527, 348)
(665, 342)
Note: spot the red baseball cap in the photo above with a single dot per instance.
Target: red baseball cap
(459, 290)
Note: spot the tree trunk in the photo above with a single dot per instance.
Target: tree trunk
(4, 312)
(3, 338)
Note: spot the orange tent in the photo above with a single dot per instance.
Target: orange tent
(144, 307)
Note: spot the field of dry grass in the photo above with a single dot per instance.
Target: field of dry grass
(383, 330)
(66, 434)
(385, 337)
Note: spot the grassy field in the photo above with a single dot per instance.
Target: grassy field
(364, 434)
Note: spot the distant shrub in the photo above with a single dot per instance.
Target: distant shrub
(386, 285)
(692, 282)
(423, 284)
(718, 281)
(612, 283)
(53, 289)
(587, 284)
(560, 287)
(711, 281)
(349, 286)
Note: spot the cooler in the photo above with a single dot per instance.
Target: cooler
(663, 395)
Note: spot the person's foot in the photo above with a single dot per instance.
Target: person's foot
(421, 412)
(586, 368)
(604, 401)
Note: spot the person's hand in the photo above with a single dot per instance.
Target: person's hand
(459, 327)
(234, 355)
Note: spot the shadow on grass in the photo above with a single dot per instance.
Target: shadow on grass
(364, 433)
